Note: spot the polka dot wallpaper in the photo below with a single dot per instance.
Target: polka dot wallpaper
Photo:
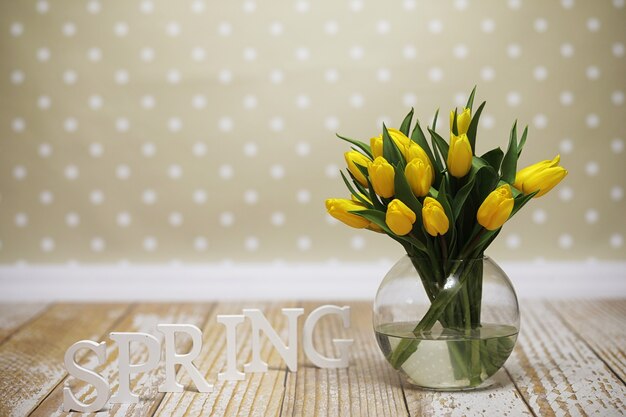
(203, 131)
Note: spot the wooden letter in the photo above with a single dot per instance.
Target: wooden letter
(342, 344)
(231, 373)
(103, 391)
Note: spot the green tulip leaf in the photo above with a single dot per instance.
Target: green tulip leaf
(418, 137)
(470, 100)
(405, 194)
(472, 130)
(406, 123)
(378, 218)
(356, 194)
(390, 151)
(522, 142)
(364, 147)
(441, 144)
(455, 127)
(494, 158)
(509, 163)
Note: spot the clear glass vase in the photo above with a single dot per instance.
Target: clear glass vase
(446, 325)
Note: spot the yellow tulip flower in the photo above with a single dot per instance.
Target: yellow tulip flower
(376, 144)
(419, 174)
(542, 176)
(382, 176)
(463, 120)
(399, 218)
(496, 208)
(339, 208)
(434, 217)
(459, 156)
(399, 138)
(354, 158)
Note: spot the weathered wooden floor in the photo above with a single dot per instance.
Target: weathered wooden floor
(569, 360)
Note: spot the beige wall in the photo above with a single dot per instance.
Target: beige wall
(224, 114)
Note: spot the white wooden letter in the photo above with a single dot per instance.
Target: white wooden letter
(124, 395)
(260, 323)
(342, 344)
(172, 358)
(103, 391)
(231, 322)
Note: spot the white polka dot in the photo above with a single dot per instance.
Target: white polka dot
(276, 76)
(591, 216)
(122, 124)
(618, 49)
(514, 50)
(175, 219)
(146, 6)
(198, 6)
(278, 218)
(124, 219)
(540, 25)
(567, 50)
(459, 99)
(68, 29)
(487, 73)
(226, 124)
(617, 97)
(303, 101)
(174, 124)
(72, 219)
(44, 102)
(42, 6)
(566, 193)
(249, 54)
(96, 150)
(617, 193)
(303, 149)
(250, 101)
(566, 98)
(592, 121)
(357, 100)
(277, 171)
(617, 145)
(250, 149)
(383, 75)
(198, 101)
(616, 241)
(357, 242)
(540, 73)
(567, 4)
(566, 145)
(331, 27)
(302, 53)
(147, 54)
(488, 25)
(175, 171)
(95, 102)
(488, 121)
(540, 216)
(249, 6)
(304, 243)
(331, 123)
(566, 241)
(332, 171)
(97, 244)
(94, 7)
(409, 4)
(593, 24)
(121, 77)
(303, 196)
(356, 5)
(356, 52)
(199, 149)
(435, 26)
(71, 172)
(70, 77)
(45, 150)
(150, 244)
(276, 28)
(94, 54)
(122, 172)
(200, 196)
(172, 29)
(43, 54)
(19, 172)
(120, 29)
(513, 241)
(226, 172)
(200, 244)
(593, 72)
(513, 98)
(302, 6)
(618, 4)
(592, 168)
(16, 29)
(277, 124)
(409, 99)
(46, 197)
(409, 52)
(227, 219)
(331, 75)
(96, 197)
(173, 76)
(435, 74)
(225, 76)
(18, 125)
(382, 120)
(21, 220)
(70, 124)
(149, 197)
(47, 244)
(251, 197)
(17, 77)
(198, 54)
(383, 27)
(251, 244)
(540, 121)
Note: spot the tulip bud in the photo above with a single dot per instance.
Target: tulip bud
(382, 176)
(459, 156)
(354, 158)
(376, 144)
(434, 217)
(399, 138)
(463, 120)
(340, 209)
(542, 177)
(399, 218)
(496, 208)
(420, 176)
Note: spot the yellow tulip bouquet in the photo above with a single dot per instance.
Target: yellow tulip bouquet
(442, 203)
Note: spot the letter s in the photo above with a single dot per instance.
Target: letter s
(70, 403)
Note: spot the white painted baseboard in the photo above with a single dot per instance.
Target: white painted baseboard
(321, 281)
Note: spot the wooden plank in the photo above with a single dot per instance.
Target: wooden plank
(14, 315)
(32, 359)
(142, 318)
(260, 394)
(556, 371)
(602, 324)
(367, 387)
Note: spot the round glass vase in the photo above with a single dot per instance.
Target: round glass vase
(446, 325)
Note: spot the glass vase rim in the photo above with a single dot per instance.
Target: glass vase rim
(478, 258)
